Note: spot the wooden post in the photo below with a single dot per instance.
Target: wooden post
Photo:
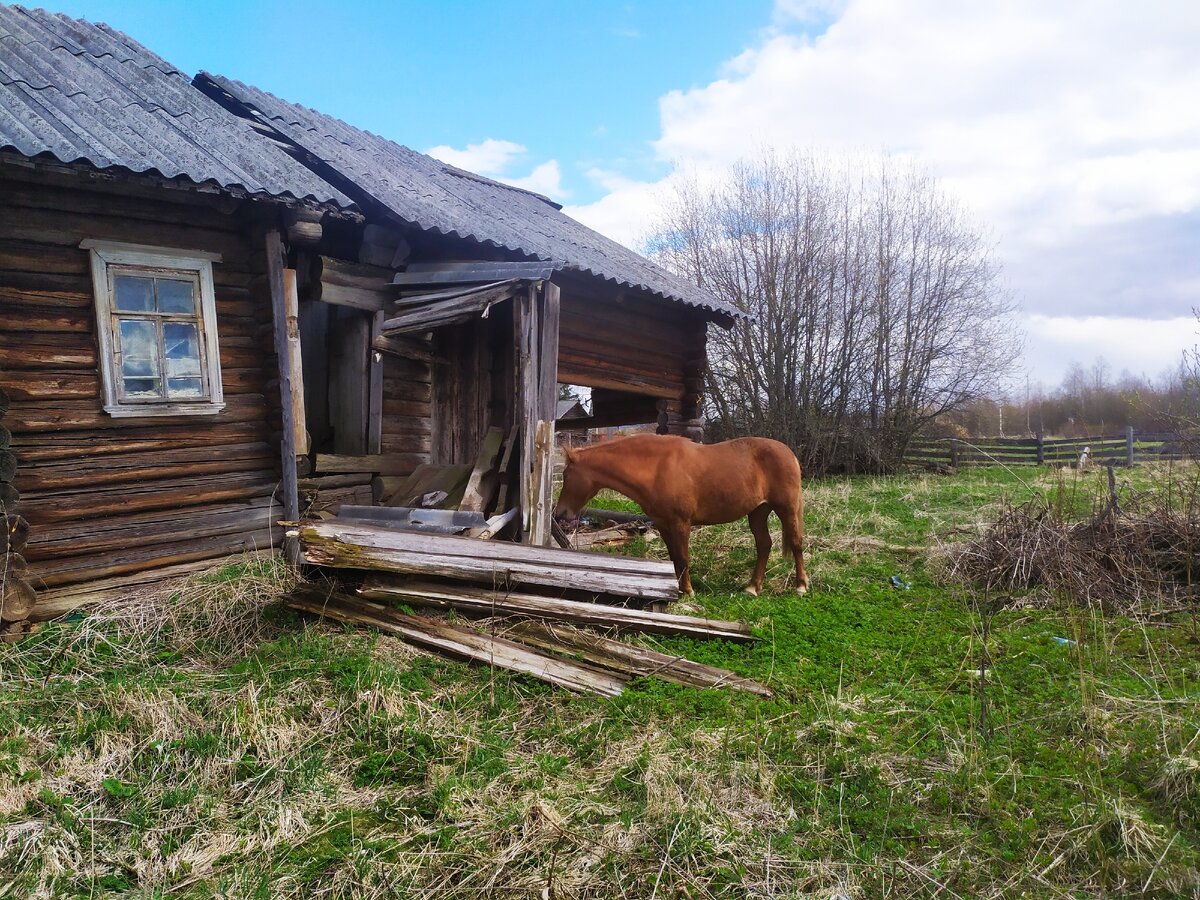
(273, 247)
(1041, 449)
(294, 361)
(1129, 445)
(525, 399)
(549, 308)
(375, 389)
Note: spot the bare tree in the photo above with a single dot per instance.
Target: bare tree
(875, 302)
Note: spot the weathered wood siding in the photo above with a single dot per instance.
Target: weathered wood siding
(108, 496)
(629, 346)
(407, 406)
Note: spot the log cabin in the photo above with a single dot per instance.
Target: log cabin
(220, 311)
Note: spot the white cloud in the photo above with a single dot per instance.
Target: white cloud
(544, 179)
(1071, 129)
(1147, 347)
(488, 157)
(496, 158)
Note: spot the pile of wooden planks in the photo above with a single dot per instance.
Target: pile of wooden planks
(544, 606)
(537, 636)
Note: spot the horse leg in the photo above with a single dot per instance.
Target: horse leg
(676, 536)
(792, 519)
(762, 544)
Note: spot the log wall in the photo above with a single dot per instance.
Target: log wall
(108, 496)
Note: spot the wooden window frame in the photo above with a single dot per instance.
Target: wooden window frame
(108, 257)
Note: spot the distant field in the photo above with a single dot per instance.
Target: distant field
(204, 745)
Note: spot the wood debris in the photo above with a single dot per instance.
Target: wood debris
(485, 601)
(461, 642)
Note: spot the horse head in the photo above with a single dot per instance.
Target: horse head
(579, 486)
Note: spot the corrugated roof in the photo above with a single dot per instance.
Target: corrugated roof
(442, 198)
(84, 92)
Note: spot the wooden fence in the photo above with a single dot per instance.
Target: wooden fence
(1126, 449)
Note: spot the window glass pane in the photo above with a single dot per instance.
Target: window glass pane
(134, 294)
(139, 358)
(175, 296)
(180, 388)
(182, 345)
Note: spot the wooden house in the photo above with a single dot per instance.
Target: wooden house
(215, 304)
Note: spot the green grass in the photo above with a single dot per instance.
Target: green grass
(213, 744)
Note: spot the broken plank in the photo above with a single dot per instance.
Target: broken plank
(384, 539)
(425, 479)
(482, 483)
(489, 602)
(355, 546)
(629, 658)
(459, 642)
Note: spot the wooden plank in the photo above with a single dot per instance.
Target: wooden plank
(481, 485)
(404, 348)
(363, 547)
(426, 479)
(629, 659)
(375, 391)
(294, 362)
(273, 248)
(371, 301)
(549, 315)
(525, 328)
(504, 468)
(353, 274)
(376, 464)
(543, 483)
(488, 602)
(350, 479)
(459, 642)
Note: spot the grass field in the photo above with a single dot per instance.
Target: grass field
(213, 744)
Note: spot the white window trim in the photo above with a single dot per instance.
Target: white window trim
(106, 253)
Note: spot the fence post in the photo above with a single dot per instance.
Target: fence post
(1129, 445)
(1041, 449)
(953, 454)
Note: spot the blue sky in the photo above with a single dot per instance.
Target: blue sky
(568, 80)
(1070, 130)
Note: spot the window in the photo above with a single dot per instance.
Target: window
(156, 321)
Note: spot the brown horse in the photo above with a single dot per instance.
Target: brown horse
(680, 484)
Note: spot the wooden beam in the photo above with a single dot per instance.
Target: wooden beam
(463, 643)
(273, 247)
(630, 659)
(355, 546)
(294, 361)
(549, 315)
(488, 602)
(525, 400)
(375, 389)
(376, 464)
(481, 485)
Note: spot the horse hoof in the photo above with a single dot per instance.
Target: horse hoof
(751, 590)
(802, 589)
